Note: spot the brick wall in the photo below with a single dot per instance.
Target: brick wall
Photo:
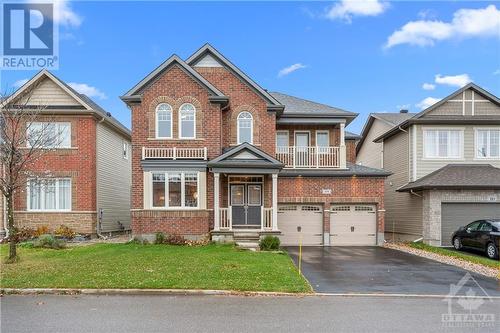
(350, 146)
(84, 223)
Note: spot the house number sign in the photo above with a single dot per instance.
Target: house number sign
(326, 191)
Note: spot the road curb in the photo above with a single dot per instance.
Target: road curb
(199, 292)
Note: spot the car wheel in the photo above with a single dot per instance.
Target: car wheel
(457, 243)
(491, 251)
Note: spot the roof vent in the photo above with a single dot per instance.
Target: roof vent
(403, 111)
(108, 114)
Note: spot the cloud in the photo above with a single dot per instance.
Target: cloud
(497, 72)
(466, 23)
(20, 83)
(453, 80)
(347, 9)
(64, 14)
(426, 102)
(290, 69)
(428, 86)
(85, 89)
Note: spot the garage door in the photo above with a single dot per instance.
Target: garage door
(353, 225)
(455, 215)
(308, 217)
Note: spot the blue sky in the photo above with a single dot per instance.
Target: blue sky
(360, 56)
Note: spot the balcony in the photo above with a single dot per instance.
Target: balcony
(312, 157)
(175, 153)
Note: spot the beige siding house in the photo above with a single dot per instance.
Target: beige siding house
(445, 164)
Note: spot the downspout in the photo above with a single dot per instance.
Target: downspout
(4, 213)
(416, 194)
(98, 217)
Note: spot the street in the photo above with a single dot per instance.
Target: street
(51, 313)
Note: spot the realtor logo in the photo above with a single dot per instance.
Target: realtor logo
(29, 36)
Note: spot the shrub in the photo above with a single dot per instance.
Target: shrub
(24, 234)
(41, 230)
(65, 232)
(49, 242)
(175, 240)
(159, 238)
(270, 243)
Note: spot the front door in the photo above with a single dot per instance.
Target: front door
(246, 202)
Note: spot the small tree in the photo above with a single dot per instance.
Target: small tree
(22, 143)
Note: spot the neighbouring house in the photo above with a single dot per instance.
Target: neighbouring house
(85, 181)
(215, 154)
(445, 165)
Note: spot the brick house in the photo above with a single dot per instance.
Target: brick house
(83, 182)
(215, 154)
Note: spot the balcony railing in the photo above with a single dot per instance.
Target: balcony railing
(174, 153)
(311, 157)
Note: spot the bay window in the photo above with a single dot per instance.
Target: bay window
(488, 143)
(48, 135)
(50, 194)
(175, 189)
(443, 143)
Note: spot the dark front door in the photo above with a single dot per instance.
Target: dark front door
(246, 202)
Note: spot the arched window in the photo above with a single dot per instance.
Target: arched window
(245, 127)
(164, 121)
(187, 121)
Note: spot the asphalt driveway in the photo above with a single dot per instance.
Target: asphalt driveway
(382, 270)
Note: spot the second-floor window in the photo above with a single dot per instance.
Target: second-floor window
(322, 141)
(164, 121)
(50, 194)
(49, 135)
(282, 142)
(488, 143)
(245, 127)
(187, 121)
(443, 143)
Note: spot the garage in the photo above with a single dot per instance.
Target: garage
(353, 225)
(455, 215)
(308, 217)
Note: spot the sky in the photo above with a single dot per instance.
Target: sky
(361, 56)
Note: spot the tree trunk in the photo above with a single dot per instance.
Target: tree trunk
(12, 229)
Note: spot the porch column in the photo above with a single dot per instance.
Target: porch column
(275, 202)
(342, 149)
(216, 201)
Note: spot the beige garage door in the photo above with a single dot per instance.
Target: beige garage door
(308, 217)
(353, 225)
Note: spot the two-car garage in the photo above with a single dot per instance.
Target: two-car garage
(350, 224)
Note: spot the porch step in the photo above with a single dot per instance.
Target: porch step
(248, 245)
(247, 240)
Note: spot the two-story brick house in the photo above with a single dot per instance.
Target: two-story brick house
(445, 165)
(84, 180)
(215, 154)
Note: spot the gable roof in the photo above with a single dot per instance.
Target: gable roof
(134, 93)
(351, 136)
(209, 49)
(245, 155)
(458, 176)
(391, 119)
(465, 119)
(87, 103)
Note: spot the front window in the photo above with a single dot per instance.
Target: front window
(245, 127)
(175, 189)
(488, 143)
(49, 135)
(49, 194)
(282, 142)
(443, 143)
(164, 121)
(187, 121)
(322, 141)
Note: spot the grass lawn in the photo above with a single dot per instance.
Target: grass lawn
(455, 254)
(152, 266)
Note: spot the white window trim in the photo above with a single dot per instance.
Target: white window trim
(461, 130)
(316, 140)
(238, 128)
(183, 191)
(125, 149)
(42, 195)
(171, 123)
(28, 145)
(180, 123)
(301, 132)
(476, 143)
(287, 138)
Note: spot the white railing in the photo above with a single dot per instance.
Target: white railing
(174, 153)
(267, 218)
(310, 157)
(225, 218)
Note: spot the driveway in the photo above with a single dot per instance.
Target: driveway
(382, 270)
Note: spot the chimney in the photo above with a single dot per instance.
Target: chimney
(403, 111)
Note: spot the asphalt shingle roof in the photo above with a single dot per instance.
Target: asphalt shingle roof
(352, 170)
(294, 105)
(394, 118)
(458, 176)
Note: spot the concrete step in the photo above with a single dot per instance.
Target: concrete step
(248, 245)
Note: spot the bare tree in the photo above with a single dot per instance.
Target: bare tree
(26, 134)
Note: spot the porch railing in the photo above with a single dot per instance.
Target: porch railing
(267, 218)
(225, 217)
(174, 153)
(311, 157)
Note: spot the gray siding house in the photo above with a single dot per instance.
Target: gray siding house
(445, 164)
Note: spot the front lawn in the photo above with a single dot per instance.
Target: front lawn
(152, 266)
(455, 254)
